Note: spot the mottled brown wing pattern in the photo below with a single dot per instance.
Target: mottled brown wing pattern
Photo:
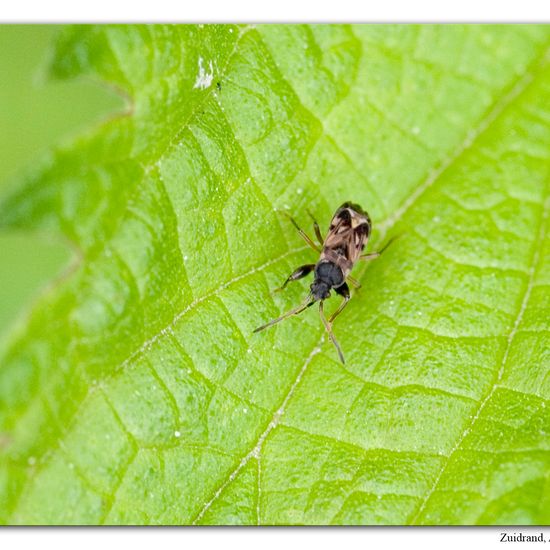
(348, 234)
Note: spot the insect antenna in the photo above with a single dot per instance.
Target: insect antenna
(308, 301)
(328, 326)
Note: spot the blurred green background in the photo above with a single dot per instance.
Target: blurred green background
(35, 114)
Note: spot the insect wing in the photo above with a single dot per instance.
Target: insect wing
(349, 231)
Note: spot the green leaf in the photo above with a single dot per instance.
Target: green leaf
(137, 393)
(33, 117)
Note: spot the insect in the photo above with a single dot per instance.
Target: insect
(347, 236)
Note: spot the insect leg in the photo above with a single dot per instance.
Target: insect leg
(316, 229)
(371, 256)
(309, 300)
(303, 234)
(343, 290)
(374, 255)
(354, 282)
(302, 271)
(328, 327)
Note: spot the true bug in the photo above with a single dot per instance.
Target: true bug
(348, 234)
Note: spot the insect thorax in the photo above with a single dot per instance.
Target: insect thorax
(338, 259)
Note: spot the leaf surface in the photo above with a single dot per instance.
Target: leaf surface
(137, 393)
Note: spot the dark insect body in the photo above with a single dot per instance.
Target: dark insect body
(346, 239)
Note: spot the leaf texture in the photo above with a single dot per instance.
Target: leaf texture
(137, 393)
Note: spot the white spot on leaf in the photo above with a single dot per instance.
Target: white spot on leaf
(204, 79)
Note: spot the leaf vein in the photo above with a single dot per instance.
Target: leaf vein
(475, 417)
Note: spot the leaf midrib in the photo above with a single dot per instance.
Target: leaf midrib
(515, 90)
(385, 226)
